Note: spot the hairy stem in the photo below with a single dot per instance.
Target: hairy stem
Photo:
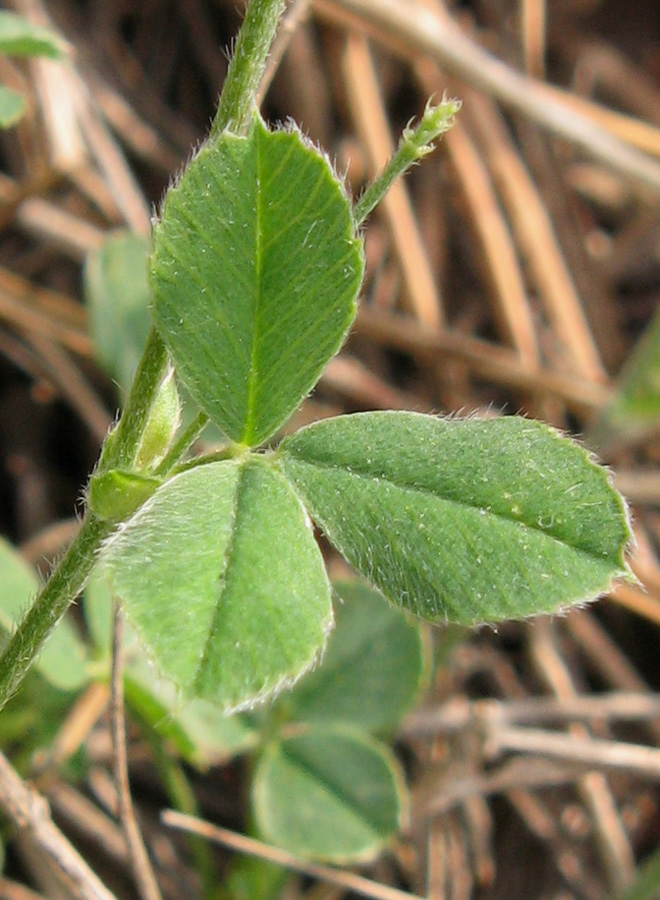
(70, 576)
(415, 143)
(182, 445)
(123, 444)
(239, 93)
(63, 586)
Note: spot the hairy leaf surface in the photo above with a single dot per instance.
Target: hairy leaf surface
(199, 731)
(463, 520)
(255, 271)
(221, 576)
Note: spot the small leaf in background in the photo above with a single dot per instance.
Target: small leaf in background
(63, 660)
(250, 878)
(12, 107)
(97, 611)
(328, 793)
(646, 885)
(634, 412)
(251, 298)
(199, 731)
(462, 520)
(373, 667)
(33, 717)
(216, 736)
(19, 37)
(221, 576)
(146, 705)
(117, 294)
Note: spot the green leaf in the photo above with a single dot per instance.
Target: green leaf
(634, 412)
(372, 669)
(12, 107)
(32, 718)
(63, 661)
(255, 272)
(328, 793)
(221, 576)
(467, 521)
(116, 286)
(200, 732)
(147, 706)
(647, 883)
(251, 878)
(19, 37)
(97, 612)
(216, 736)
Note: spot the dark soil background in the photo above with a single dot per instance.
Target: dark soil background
(514, 271)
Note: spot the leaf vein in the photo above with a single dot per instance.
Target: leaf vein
(453, 501)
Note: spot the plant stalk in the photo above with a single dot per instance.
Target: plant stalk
(415, 143)
(63, 586)
(70, 576)
(182, 445)
(238, 98)
(122, 445)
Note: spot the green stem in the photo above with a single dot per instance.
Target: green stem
(182, 444)
(122, 445)
(414, 144)
(247, 66)
(63, 586)
(70, 576)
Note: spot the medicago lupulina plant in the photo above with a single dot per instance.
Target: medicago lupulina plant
(255, 268)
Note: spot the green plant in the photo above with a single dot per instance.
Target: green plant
(18, 37)
(633, 413)
(324, 784)
(255, 269)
